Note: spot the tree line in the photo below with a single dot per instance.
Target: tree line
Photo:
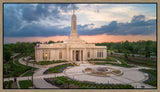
(139, 47)
(146, 48)
(25, 48)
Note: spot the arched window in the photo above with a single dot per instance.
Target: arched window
(46, 56)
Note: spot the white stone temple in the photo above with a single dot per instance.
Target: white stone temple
(73, 49)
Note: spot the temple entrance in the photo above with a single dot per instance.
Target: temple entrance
(77, 55)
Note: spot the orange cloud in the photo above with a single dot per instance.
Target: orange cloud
(89, 39)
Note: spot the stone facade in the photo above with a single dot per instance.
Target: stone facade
(73, 49)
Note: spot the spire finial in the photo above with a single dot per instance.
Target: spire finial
(73, 11)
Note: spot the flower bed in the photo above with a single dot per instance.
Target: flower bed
(50, 62)
(57, 69)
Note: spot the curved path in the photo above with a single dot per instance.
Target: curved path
(38, 76)
(131, 75)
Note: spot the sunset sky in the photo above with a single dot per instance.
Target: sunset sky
(95, 22)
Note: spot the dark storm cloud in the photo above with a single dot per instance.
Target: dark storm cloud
(19, 19)
(40, 30)
(138, 26)
(12, 20)
(41, 11)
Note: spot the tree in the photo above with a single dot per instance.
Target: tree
(126, 55)
(7, 54)
(148, 49)
(6, 67)
(51, 42)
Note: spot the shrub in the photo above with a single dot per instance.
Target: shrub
(5, 84)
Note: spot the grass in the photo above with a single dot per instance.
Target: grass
(107, 61)
(139, 62)
(123, 63)
(142, 62)
(50, 62)
(152, 80)
(57, 69)
(16, 69)
(25, 84)
(64, 82)
(7, 84)
(29, 73)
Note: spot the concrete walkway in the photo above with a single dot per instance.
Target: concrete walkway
(41, 83)
(38, 76)
(30, 64)
(130, 76)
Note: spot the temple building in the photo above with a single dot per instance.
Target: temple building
(73, 49)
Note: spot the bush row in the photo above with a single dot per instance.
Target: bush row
(64, 82)
(152, 80)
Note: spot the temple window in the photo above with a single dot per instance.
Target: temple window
(46, 56)
(60, 55)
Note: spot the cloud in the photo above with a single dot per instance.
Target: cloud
(25, 19)
(138, 26)
(39, 30)
(32, 20)
(42, 11)
(138, 18)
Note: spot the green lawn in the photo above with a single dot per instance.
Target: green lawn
(14, 70)
(25, 84)
(64, 82)
(106, 61)
(132, 60)
(57, 69)
(29, 73)
(50, 62)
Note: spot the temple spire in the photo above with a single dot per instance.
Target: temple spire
(74, 25)
(73, 11)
